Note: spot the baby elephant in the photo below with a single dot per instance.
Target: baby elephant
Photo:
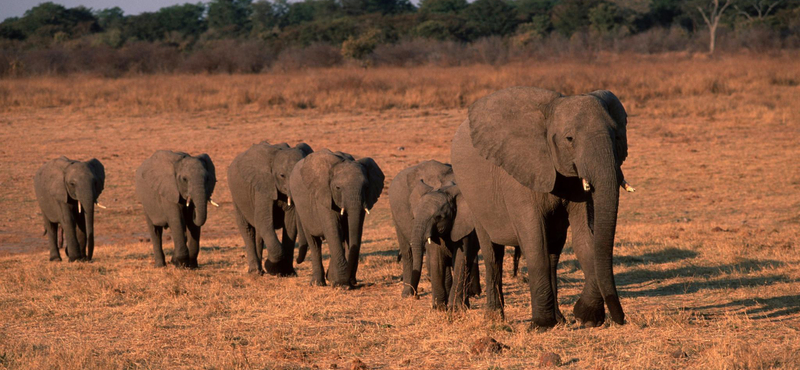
(67, 191)
(259, 183)
(174, 189)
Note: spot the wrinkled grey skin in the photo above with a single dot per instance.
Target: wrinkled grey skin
(519, 159)
(175, 189)
(332, 192)
(60, 185)
(259, 184)
(431, 173)
(443, 217)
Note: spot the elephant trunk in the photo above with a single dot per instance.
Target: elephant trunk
(419, 237)
(200, 201)
(604, 181)
(87, 203)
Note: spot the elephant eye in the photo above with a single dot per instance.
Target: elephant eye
(282, 176)
(183, 178)
(569, 138)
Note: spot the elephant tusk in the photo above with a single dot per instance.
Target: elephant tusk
(289, 201)
(187, 201)
(586, 186)
(342, 212)
(628, 187)
(429, 241)
(366, 209)
(79, 207)
(101, 206)
(213, 203)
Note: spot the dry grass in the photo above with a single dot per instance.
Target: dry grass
(707, 257)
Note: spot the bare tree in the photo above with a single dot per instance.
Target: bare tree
(762, 8)
(712, 20)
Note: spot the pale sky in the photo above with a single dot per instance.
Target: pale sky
(15, 8)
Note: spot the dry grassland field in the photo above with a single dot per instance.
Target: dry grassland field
(707, 257)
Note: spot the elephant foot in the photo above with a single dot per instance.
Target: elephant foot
(318, 282)
(590, 315)
(494, 315)
(543, 323)
(343, 286)
(55, 258)
(160, 263)
(440, 306)
(409, 291)
(183, 263)
(254, 271)
(275, 269)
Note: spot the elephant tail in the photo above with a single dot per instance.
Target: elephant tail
(301, 253)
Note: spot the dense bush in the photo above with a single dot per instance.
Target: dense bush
(242, 36)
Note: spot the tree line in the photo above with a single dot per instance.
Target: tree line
(358, 27)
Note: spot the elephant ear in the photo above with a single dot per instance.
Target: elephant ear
(99, 173)
(52, 177)
(618, 114)
(211, 180)
(462, 224)
(158, 171)
(508, 128)
(375, 177)
(417, 192)
(254, 167)
(316, 173)
(305, 148)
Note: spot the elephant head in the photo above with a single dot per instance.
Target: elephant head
(183, 179)
(439, 214)
(81, 182)
(267, 167)
(535, 134)
(283, 162)
(347, 186)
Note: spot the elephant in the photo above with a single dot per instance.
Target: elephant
(443, 220)
(259, 182)
(532, 162)
(333, 192)
(175, 189)
(67, 192)
(434, 174)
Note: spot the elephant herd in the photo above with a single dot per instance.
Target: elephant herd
(527, 164)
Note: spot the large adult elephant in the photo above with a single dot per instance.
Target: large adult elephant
(531, 162)
(332, 193)
(175, 189)
(67, 192)
(259, 183)
(403, 200)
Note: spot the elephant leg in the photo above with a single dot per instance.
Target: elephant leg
(193, 243)
(250, 242)
(517, 256)
(437, 270)
(338, 270)
(155, 236)
(589, 309)
(80, 234)
(556, 238)
(404, 256)
(68, 224)
(265, 227)
(180, 254)
(533, 241)
(302, 243)
(470, 246)
(461, 279)
(286, 266)
(51, 229)
(493, 262)
(317, 270)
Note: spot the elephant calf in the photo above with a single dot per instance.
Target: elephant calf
(67, 191)
(333, 192)
(259, 183)
(174, 189)
(405, 192)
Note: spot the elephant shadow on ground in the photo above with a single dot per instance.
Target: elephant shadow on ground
(644, 275)
(658, 257)
(761, 308)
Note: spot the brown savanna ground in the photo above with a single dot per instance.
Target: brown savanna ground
(707, 255)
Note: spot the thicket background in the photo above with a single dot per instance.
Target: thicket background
(245, 36)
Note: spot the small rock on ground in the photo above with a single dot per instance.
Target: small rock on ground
(358, 365)
(549, 359)
(487, 344)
